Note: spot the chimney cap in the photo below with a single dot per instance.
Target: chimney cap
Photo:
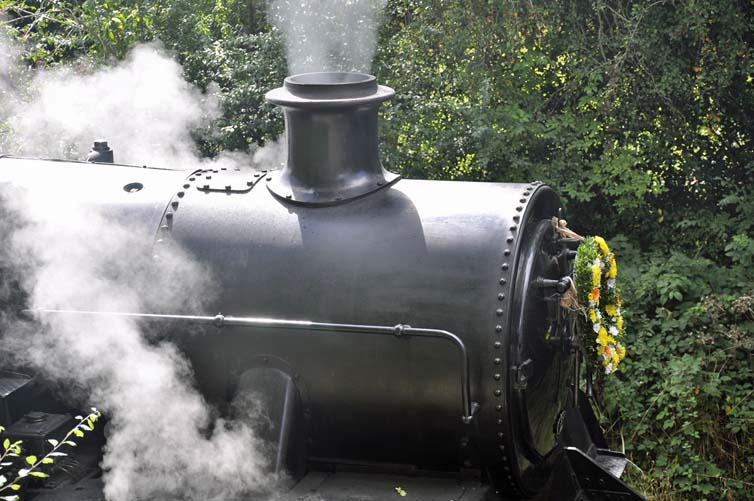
(329, 89)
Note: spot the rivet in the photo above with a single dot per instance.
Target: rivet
(504, 266)
(507, 252)
(497, 344)
(174, 204)
(500, 297)
(523, 201)
(269, 178)
(169, 215)
(208, 177)
(257, 174)
(513, 228)
(249, 183)
(186, 186)
(289, 196)
(509, 239)
(498, 393)
(223, 168)
(516, 218)
(498, 407)
(180, 194)
(192, 179)
(507, 468)
(500, 435)
(519, 208)
(503, 281)
(499, 421)
(496, 361)
(498, 328)
(206, 187)
(228, 187)
(497, 376)
(499, 312)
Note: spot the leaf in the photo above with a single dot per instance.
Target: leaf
(70, 442)
(6, 444)
(9, 498)
(38, 474)
(78, 432)
(31, 459)
(23, 472)
(48, 461)
(3, 480)
(14, 487)
(53, 442)
(57, 454)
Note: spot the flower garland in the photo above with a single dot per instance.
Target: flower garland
(595, 272)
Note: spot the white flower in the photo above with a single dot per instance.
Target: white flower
(613, 330)
(596, 327)
(611, 283)
(609, 368)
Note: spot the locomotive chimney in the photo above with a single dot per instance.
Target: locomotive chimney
(331, 127)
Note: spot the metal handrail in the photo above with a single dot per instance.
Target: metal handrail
(469, 408)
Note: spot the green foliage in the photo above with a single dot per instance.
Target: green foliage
(16, 469)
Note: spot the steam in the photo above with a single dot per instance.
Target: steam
(164, 440)
(143, 107)
(328, 35)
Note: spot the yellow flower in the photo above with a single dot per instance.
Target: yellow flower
(621, 351)
(603, 245)
(602, 337)
(592, 313)
(611, 309)
(613, 271)
(596, 272)
(619, 324)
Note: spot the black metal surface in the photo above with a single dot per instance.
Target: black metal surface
(100, 153)
(468, 407)
(36, 428)
(331, 128)
(14, 393)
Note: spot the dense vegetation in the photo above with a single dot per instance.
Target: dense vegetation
(640, 113)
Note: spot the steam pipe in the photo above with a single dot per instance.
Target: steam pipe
(469, 408)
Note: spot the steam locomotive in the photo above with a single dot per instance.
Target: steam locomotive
(403, 332)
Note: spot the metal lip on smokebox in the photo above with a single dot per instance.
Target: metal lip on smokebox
(329, 89)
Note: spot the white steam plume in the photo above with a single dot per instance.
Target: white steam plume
(164, 440)
(142, 106)
(328, 35)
